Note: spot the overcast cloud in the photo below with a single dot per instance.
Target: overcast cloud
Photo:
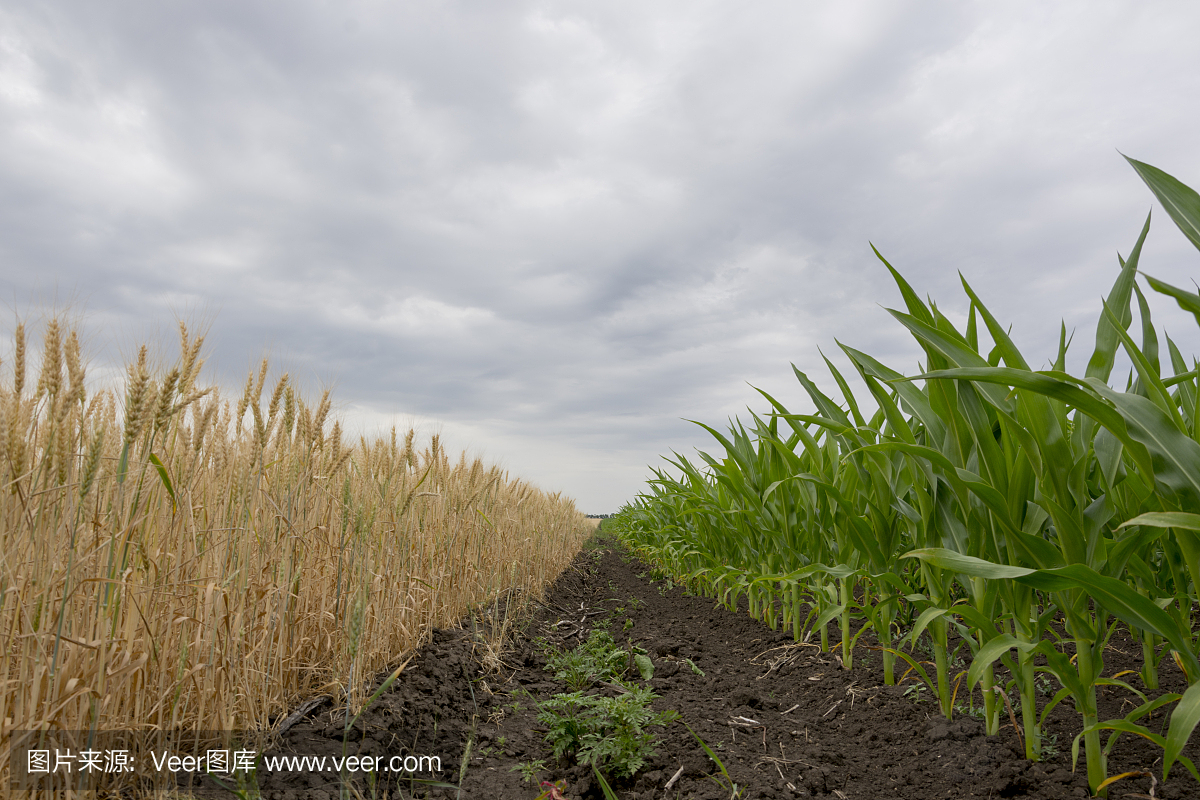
(552, 230)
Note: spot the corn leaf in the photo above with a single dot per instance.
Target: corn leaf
(1101, 363)
(1184, 719)
(1188, 301)
(1181, 201)
(1116, 597)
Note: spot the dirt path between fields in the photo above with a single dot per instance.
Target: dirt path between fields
(785, 719)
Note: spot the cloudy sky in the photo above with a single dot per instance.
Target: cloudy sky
(554, 230)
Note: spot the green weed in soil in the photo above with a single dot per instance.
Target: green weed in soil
(609, 733)
(596, 660)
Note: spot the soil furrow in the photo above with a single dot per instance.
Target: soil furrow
(785, 719)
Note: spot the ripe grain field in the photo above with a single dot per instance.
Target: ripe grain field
(173, 559)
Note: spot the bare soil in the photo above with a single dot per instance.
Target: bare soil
(785, 719)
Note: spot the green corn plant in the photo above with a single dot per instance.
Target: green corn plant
(1059, 460)
(951, 434)
(981, 496)
(1148, 423)
(840, 513)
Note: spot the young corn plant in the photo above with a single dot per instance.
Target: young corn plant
(982, 496)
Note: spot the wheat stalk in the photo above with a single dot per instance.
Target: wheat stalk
(206, 595)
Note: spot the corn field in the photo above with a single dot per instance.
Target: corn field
(980, 498)
(170, 560)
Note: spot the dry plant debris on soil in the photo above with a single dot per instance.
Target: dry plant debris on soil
(784, 718)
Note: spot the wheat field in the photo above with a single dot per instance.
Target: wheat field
(173, 558)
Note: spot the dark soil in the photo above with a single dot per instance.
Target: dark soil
(785, 719)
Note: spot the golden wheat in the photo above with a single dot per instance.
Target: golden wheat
(163, 566)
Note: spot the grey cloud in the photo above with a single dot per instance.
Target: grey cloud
(559, 228)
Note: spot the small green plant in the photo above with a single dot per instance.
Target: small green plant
(609, 794)
(645, 666)
(628, 624)
(978, 712)
(529, 769)
(596, 660)
(725, 782)
(695, 669)
(914, 692)
(609, 733)
(516, 695)
(501, 741)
